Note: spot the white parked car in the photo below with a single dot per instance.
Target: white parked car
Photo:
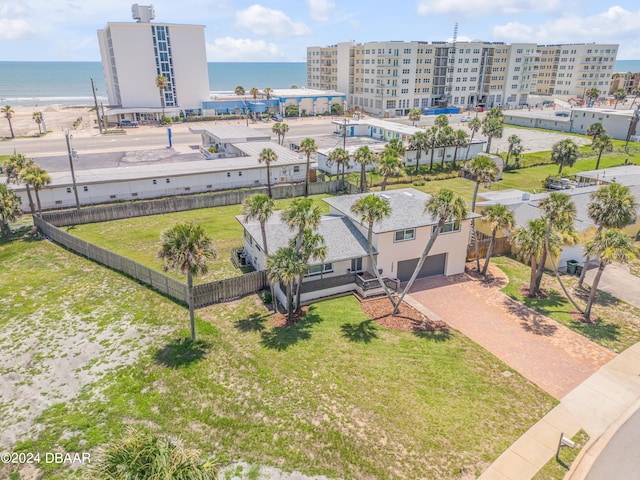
(465, 118)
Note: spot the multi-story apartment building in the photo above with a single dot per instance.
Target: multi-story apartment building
(629, 81)
(135, 53)
(390, 78)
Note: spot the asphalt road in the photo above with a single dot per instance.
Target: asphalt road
(620, 459)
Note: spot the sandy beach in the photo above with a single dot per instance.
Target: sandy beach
(57, 118)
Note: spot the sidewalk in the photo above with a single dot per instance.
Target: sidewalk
(594, 405)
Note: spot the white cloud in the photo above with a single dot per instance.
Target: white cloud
(321, 10)
(474, 8)
(12, 29)
(268, 22)
(616, 25)
(228, 49)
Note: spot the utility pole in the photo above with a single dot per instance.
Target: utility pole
(95, 102)
(73, 175)
(632, 128)
(344, 135)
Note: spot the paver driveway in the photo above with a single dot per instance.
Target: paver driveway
(543, 351)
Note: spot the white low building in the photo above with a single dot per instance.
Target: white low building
(398, 242)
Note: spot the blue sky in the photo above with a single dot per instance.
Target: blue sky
(280, 30)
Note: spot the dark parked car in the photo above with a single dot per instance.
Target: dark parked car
(276, 118)
(127, 123)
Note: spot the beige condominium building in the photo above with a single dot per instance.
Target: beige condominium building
(390, 78)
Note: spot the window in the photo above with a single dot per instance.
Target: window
(404, 235)
(356, 264)
(296, 168)
(228, 174)
(155, 182)
(68, 189)
(168, 180)
(448, 227)
(318, 269)
(85, 188)
(239, 174)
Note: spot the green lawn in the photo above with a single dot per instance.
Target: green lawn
(634, 267)
(336, 394)
(619, 323)
(137, 238)
(556, 468)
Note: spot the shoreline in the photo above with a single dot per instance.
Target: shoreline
(57, 118)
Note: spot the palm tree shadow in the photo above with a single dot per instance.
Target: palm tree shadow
(281, 338)
(181, 352)
(430, 330)
(598, 331)
(363, 332)
(531, 322)
(253, 323)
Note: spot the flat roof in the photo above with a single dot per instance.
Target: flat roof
(305, 92)
(538, 115)
(628, 175)
(407, 205)
(608, 111)
(230, 133)
(384, 124)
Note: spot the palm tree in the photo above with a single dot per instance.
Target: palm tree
(499, 217)
(441, 121)
(277, 129)
(595, 130)
(9, 208)
(35, 176)
(432, 142)
(564, 152)
(372, 209)
(364, 157)
(492, 127)
(300, 215)
(267, 93)
(608, 246)
(308, 146)
(254, 92)
(635, 92)
(239, 90)
(514, 141)
(446, 139)
(8, 114)
(619, 95)
(592, 94)
(186, 247)
(419, 142)
(259, 207)
(474, 125)
(560, 213)
(14, 165)
(283, 267)
(529, 241)
(611, 206)
(389, 165)
(162, 82)
(460, 140)
(340, 157)
(602, 143)
(397, 145)
(414, 116)
(445, 206)
(284, 128)
(312, 246)
(483, 170)
(143, 455)
(268, 156)
(37, 117)
(495, 113)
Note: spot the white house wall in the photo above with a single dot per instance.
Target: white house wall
(617, 125)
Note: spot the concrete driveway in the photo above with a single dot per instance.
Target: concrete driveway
(618, 282)
(550, 355)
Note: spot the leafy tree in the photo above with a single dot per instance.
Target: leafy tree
(419, 142)
(492, 127)
(371, 209)
(564, 152)
(9, 208)
(592, 94)
(239, 90)
(336, 109)
(283, 267)
(312, 246)
(607, 246)
(35, 176)
(595, 130)
(499, 217)
(186, 247)
(293, 87)
(14, 165)
(414, 116)
(460, 140)
(37, 117)
(142, 455)
(308, 147)
(292, 111)
(514, 142)
(602, 143)
(620, 94)
(441, 121)
(340, 157)
(611, 206)
(268, 156)
(445, 206)
(389, 164)
(8, 114)
(483, 170)
(364, 157)
(162, 83)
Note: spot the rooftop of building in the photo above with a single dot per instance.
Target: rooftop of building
(230, 133)
(628, 175)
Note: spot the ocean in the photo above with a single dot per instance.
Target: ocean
(68, 83)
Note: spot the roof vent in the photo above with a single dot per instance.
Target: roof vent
(409, 193)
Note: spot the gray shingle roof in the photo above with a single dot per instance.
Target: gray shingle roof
(407, 205)
(343, 240)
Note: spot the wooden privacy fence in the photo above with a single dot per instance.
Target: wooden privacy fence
(206, 294)
(501, 246)
(180, 204)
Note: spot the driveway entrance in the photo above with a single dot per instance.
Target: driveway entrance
(550, 355)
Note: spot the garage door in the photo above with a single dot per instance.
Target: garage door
(433, 265)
